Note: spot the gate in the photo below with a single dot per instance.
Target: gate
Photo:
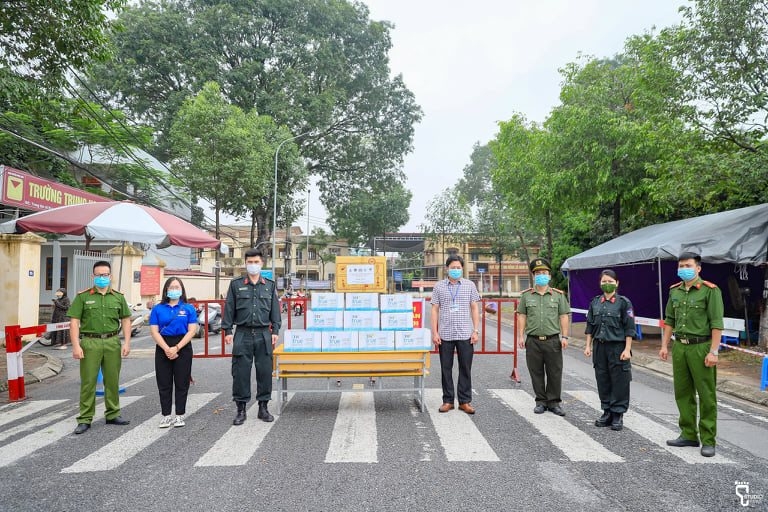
(82, 277)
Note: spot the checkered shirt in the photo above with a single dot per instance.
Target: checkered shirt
(455, 324)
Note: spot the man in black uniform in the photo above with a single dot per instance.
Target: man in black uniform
(252, 305)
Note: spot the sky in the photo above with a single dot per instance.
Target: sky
(473, 64)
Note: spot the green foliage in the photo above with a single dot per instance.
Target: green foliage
(42, 38)
(311, 65)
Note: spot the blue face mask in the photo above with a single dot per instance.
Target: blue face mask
(541, 279)
(455, 273)
(101, 282)
(686, 274)
(173, 294)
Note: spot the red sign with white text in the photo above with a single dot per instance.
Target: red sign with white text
(150, 280)
(21, 189)
(418, 313)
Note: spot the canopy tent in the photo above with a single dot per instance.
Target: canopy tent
(732, 245)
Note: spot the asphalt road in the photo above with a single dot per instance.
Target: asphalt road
(375, 451)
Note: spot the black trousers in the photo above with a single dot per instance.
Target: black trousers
(544, 359)
(173, 372)
(466, 351)
(252, 348)
(612, 374)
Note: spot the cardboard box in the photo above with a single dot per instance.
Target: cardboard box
(376, 340)
(396, 303)
(325, 320)
(339, 341)
(417, 339)
(361, 302)
(299, 340)
(327, 301)
(361, 320)
(397, 321)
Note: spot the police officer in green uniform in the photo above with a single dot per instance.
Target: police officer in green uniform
(543, 331)
(610, 329)
(96, 316)
(694, 313)
(253, 307)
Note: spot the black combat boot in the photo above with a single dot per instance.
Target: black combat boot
(618, 421)
(240, 418)
(604, 420)
(263, 412)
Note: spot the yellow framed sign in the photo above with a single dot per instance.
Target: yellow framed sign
(361, 274)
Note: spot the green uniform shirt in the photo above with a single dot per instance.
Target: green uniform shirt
(251, 304)
(99, 314)
(696, 311)
(543, 311)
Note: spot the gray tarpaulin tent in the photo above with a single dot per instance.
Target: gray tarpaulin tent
(732, 245)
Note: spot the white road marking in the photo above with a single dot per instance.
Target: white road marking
(459, 436)
(240, 442)
(654, 432)
(114, 454)
(18, 411)
(575, 444)
(138, 379)
(14, 451)
(31, 424)
(354, 437)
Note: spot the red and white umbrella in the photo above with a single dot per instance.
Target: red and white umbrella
(124, 221)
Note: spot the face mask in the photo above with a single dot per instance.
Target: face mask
(253, 269)
(59, 295)
(541, 279)
(455, 273)
(608, 287)
(174, 294)
(101, 282)
(686, 274)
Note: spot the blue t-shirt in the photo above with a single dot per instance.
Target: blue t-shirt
(173, 320)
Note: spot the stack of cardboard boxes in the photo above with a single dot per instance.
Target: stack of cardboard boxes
(352, 322)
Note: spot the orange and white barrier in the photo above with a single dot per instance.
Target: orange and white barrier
(14, 350)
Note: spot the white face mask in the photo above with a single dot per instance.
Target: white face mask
(253, 269)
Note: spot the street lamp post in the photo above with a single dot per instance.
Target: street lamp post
(274, 203)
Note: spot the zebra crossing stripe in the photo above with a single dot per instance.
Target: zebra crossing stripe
(651, 430)
(575, 444)
(354, 437)
(14, 451)
(114, 454)
(32, 424)
(239, 443)
(459, 436)
(16, 412)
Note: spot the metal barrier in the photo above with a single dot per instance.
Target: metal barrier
(207, 336)
(14, 350)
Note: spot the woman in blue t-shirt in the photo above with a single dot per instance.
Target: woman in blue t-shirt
(172, 324)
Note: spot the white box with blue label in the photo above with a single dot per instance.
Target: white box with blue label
(326, 301)
(325, 320)
(376, 340)
(361, 320)
(299, 340)
(396, 303)
(397, 321)
(416, 339)
(361, 301)
(339, 341)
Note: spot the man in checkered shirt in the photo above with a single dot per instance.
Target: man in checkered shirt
(455, 320)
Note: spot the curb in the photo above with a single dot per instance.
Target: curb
(51, 368)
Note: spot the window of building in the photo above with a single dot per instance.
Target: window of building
(49, 274)
(312, 254)
(474, 256)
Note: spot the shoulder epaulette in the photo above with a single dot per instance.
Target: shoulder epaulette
(708, 284)
(116, 291)
(83, 291)
(527, 290)
(556, 290)
(676, 285)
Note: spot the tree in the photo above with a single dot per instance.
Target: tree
(42, 38)
(324, 246)
(311, 65)
(448, 219)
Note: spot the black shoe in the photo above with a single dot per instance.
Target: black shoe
(618, 421)
(241, 417)
(264, 413)
(82, 427)
(708, 451)
(539, 409)
(604, 420)
(681, 441)
(118, 421)
(557, 410)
